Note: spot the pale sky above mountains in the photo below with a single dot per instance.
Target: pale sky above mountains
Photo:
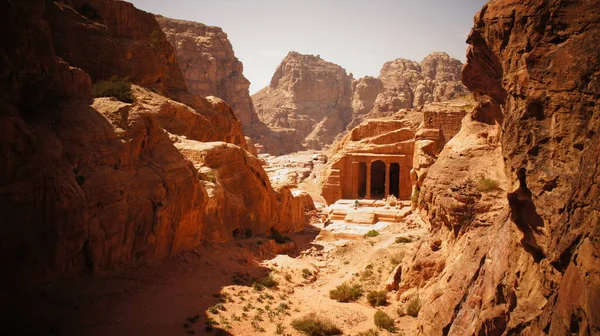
(358, 35)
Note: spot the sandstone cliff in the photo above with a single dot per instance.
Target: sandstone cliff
(99, 184)
(210, 68)
(405, 84)
(513, 199)
(308, 101)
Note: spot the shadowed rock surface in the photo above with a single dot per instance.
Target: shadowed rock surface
(98, 184)
(519, 256)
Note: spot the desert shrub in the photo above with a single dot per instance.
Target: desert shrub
(267, 281)
(210, 176)
(383, 321)
(119, 88)
(346, 292)
(279, 238)
(414, 198)
(377, 298)
(315, 326)
(366, 274)
(403, 240)
(287, 277)
(372, 233)
(414, 306)
(370, 332)
(306, 273)
(486, 184)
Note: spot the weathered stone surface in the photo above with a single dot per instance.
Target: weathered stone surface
(521, 259)
(96, 35)
(408, 84)
(307, 102)
(240, 194)
(98, 184)
(209, 65)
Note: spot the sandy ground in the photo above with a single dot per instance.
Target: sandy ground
(212, 285)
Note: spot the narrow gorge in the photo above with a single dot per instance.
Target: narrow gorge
(145, 191)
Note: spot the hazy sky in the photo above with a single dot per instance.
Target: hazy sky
(359, 35)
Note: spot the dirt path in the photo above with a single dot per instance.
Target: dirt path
(213, 285)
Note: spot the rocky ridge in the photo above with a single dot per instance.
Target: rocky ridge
(406, 84)
(315, 114)
(99, 184)
(210, 68)
(514, 238)
(308, 100)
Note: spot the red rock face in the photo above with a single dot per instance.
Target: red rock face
(210, 68)
(522, 259)
(96, 35)
(543, 71)
(307, 101)
(404, 84)
(95, 185)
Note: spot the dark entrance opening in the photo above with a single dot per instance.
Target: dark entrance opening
(395, 179)
(377, 179)
(362, 179)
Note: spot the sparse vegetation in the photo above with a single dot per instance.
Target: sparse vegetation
(372, 233)
(377, 298)
(486, 185)
(306, 273)
(414, 198)
(268, 282)
(287, 277)
(314, 326)
(414, 306)
(370, 332)
(396, 259)
(384, 321)
(119, 88)
(210, 176)
(346, 292)
(403, 240)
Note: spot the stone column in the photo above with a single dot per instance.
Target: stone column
(368, 193)
(386, 187)
(354, 180)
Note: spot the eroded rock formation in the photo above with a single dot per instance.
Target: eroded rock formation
(308, 101)
(405, 84)
(99, 184)
(210, 68)
(513, 199)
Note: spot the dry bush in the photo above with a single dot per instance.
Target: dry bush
(346, 292)
(315, 326)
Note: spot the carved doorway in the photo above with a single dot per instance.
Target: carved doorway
(394, 187)
(377, 180)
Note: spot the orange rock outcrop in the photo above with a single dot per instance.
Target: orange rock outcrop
(513, 199)
(406, 84)
(307, 101)
(210, 68)
(99, 184)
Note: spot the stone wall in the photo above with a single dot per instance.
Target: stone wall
(448, 122)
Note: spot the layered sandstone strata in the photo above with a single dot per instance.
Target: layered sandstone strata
(98, 184)
(308, 101)
(210, 68)
(518, 256)
(406, 84)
